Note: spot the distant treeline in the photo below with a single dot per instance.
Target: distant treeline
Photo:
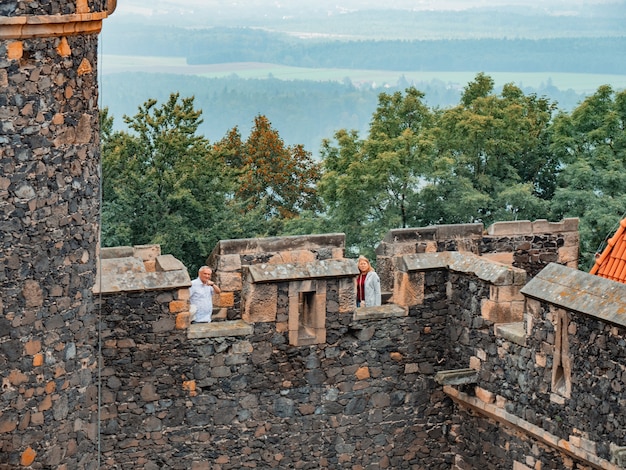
(225, 45)
(569, 55)
(305, 111)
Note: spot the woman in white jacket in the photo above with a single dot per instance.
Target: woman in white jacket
(367, 285)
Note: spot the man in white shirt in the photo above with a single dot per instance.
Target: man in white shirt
(201, 295)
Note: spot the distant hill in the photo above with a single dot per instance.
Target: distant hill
(392, 19)
(605, 55)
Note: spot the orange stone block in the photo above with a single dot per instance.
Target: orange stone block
(32, 347)
(17, 378)
(15, 50)
(82, 6)
(177, 306)
(190, 386)
(363, 373)
(224, 299)
(396, 356)
(84, 67)
(28, 457)
(182, 321)
(46, 404)
(64, 49)
(38, 360)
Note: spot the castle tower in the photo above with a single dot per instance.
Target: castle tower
(49, 223)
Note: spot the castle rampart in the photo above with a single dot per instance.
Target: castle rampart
(482, 369)
(492, 351)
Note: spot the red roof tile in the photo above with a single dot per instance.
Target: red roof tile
(611, 264)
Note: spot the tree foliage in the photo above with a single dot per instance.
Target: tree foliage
(161, 183)
(591, 142)
(274, 182)
(493, 157)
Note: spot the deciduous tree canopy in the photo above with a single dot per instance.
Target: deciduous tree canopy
(492, 157)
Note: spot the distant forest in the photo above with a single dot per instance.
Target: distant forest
(225, 45)
(304, 111)
(307, 111)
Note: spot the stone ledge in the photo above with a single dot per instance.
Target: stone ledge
(514, 332)
(457, 377)
(487, 270)
(24, 27)
(510, 420)
(579, 291)
(219, 329)
(129, 275)
(276, 244)
(526, 227)
(380, 312)
(261, 273)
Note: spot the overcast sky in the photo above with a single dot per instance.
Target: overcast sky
(188, 6)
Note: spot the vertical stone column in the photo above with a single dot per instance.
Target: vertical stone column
(49, 223)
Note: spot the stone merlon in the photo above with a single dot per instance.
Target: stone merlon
(580, 291)
(496, 273)
(276, 244)
(315, 270)
(129, 274)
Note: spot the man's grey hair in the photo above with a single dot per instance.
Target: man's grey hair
(204, 268)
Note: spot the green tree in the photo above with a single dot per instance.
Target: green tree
(373, 185)
(592, 142)
(162, 183)
(500, 145)
(272, 182)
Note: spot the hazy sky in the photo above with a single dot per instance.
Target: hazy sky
(181, 7)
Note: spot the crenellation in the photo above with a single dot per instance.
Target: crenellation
(101, 364)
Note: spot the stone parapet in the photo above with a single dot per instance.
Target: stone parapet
(279, 244)
(130, 274)
(580, 291)
(272, 259)
(313, 270)
(495, 273)
(526, 227)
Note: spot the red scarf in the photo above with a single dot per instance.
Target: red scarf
(360, 286)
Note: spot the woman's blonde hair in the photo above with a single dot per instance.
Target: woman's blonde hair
(367, 261)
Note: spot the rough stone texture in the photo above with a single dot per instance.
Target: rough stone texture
(173, 396)
(255, 401)
(49, 193)
(285, 257)
(530, 246)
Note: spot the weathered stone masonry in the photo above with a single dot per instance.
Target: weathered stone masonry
(471, 364)
(456, 379)
(49, 201)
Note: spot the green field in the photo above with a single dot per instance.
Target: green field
(580, 83)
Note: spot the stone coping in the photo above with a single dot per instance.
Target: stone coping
(433, 232)
(514, 332)
(129, 275)
(219, 329)
(23, 27)
(579, 291)
(297, 271)
(499, 414)
(244, 246)
(380, 312)
(496, 273)
(526, 227)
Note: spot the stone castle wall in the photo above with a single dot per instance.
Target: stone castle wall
(49, 199)
(464, 379)
(477, 368)
(366, 397)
